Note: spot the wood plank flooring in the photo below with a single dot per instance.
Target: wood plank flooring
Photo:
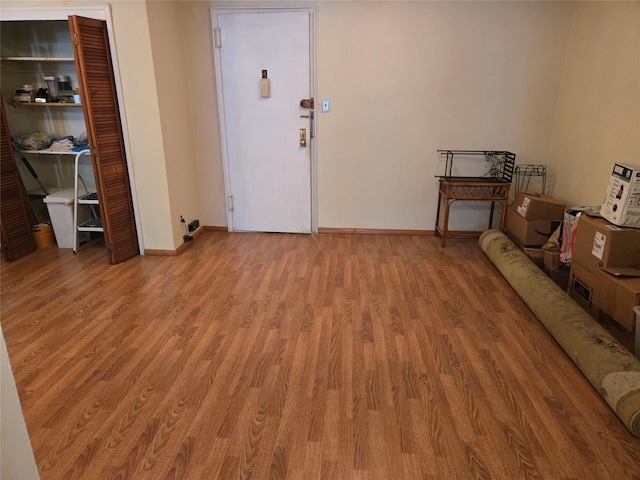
(267, 356)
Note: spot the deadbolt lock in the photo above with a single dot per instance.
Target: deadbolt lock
(303, 137)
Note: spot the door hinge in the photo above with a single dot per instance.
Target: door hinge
(217, 32)
(75, 39)
(231, 203)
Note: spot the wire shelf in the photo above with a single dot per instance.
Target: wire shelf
(525, 172)
(500, 164)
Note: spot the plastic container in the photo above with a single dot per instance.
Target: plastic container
(60, 206)
(43, 235)
(52, 88)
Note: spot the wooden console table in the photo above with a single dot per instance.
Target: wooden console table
(453, 189)
(492, 187)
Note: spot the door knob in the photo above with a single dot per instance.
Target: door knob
(306, 103)
(303, 137)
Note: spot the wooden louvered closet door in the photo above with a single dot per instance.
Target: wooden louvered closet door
(104, 131)
(15, 216)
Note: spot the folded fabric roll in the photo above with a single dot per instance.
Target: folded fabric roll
(64, 145)
(35, 141)
(611, 369)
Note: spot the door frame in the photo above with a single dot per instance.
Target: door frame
(98, 12)
(221, 110)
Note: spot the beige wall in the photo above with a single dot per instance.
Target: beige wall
(405, 79)
(597, 120)
(171, 71)
(16, 455)
(141, 112)
(142, 116)
(201, 84)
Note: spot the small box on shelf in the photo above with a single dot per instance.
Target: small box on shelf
(622, 201)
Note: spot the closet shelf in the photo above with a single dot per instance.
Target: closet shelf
(37, 59)
(91, 225)
(94, 222)
(45, 104)
(88, 199)
(52, 152)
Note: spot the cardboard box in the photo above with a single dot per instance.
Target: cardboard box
(581, 281)
(622, 202)
(528, 232)
(616, 296)
(552, 261)
(560, 278)
(599, 243)
(534, 206)
(555, 269)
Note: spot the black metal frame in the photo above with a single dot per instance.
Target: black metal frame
(525, 172)
(501, 163)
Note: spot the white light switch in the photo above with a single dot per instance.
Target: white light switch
(325, 105)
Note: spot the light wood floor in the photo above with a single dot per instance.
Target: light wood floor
(269, 356)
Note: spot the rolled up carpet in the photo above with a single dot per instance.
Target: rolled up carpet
(611, 369)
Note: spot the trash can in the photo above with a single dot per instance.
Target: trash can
(60, 206)
(43, 235)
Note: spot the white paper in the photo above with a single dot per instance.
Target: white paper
(598, 245)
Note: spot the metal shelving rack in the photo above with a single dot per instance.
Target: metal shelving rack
(525, 172)
(93, 224)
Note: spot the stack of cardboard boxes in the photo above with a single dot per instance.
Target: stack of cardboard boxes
(605, 265)
(531, 220)
(604, 279)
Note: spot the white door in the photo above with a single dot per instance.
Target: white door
(268, 169)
